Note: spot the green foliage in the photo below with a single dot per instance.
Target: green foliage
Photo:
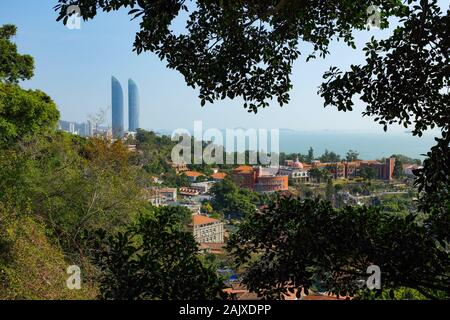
(295, 244)
(398, 294)
(351, 155)
(315, 174)
(405, 159)
(397, 204)
(13, 66)
(329, 190)
(367, 173)
(310, 156)
(31, 267)
(404, 80)
(84, 185)
(202, 168)
(252, 47)
(398, 168)
(173, 180)
(320, 174)
(24, 113)
(154, 152)
(235, 48)
(330, 156)
(54, 187)
(233, 201)
(304, 190)
(156, 258)
(207, 208)
(293, 156)
(433, 179)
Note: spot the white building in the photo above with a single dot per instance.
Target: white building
(153, 197)
(169, 194)
(203, 187)
(207, 230)
(409, 168)
(294, 171)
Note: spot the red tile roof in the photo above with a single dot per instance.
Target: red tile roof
(199, 219)
(165, 190)
(243, 168)
(193, 174)
(219, 175)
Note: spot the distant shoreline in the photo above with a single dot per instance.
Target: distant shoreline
(370, 145)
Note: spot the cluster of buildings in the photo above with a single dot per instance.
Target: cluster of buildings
(208, 232)
(344, 170)
(117, 131)
(118, 107)
(260, 179)
(85, 129)
(270, 179)
(276, 178)
(169, 197)
(295, 170)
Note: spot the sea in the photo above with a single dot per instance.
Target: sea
(369, 145)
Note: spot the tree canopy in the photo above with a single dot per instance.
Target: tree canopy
(233, 201)
(405, 80)
(58, 189)
(13, 66)
(239, 48)
(246, 49)
(243, 49)
(23, 113)
(155, 258)
(293, 244)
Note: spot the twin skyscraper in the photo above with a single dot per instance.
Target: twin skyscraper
(118, 109)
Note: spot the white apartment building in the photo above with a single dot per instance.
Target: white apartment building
(207, 230)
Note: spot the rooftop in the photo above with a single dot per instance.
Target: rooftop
(199, 219)
(167, 190)
(219, 175)
(243, 168)
(193, 174)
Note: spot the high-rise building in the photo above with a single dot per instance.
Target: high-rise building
(72, 128)
(117, 108)
(133, 106)
(90, 128)
(84, 129)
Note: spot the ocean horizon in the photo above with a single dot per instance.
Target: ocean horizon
(370, 145)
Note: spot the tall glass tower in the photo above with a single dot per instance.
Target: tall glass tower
(133, 106)
(117, 108)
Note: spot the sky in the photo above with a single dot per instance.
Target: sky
(75, 67)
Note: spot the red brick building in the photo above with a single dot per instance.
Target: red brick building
(255, 179)
(384, 170)
(351, 169)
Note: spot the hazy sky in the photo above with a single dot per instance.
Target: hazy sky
(75, 67)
